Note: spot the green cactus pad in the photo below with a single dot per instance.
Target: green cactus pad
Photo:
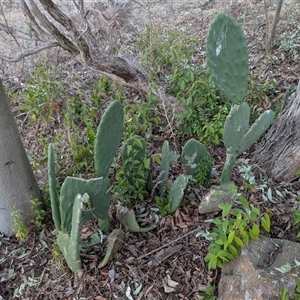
(197, 161)
(109, 134)
(69, 243)
(54, 197)
(256, 130)
(235, 126)
(176, 192)
(114, 242)
(95, 188)
(127, 218)
(227, 57)
(164, 167)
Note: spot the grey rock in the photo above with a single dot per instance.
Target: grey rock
(252, 275)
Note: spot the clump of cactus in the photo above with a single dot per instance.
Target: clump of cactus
(68, 209)
(227, 58)
(79, 199)
(170, 202)
(197, 162)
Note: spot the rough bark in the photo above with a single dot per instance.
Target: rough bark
(279, 151)
(17, 182)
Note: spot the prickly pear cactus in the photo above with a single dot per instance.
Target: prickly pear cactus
(54, 197)
(227, 57)
(256, 130)
(109, 134)
(69, 243)
(164, 167)
(197, 161)
(235, 127)
(97, 191)
(176, 192)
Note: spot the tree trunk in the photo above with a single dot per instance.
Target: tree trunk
(279, 151)
(17, 182)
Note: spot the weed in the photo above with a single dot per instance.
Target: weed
(44, 92)
(57, 255)
(234, 229)
(173, 53)
(208, 294)
(18, 225)
(290, 43)
(39, 213)
(163, 205)
(133, 176)
(142, 118)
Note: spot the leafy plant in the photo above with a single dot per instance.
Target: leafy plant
(18, 225)
(237, 225)
(205, 109)
(208, 294)
(134, 177)
(172, 52)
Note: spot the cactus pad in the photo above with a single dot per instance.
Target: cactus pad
(227, 57)
(109, 134)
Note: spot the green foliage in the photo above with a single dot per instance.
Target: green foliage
(134, 175)
(44, 90)
(143, 118)
(18, 225)
(205, 110)
(39, 213)
(197, 162)
(173, 53)
(162, 49)
(237, 225)
(208, 294)
(203, 168)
